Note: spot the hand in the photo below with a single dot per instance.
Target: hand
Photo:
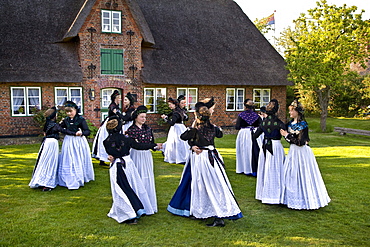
(196, 149)
(79, 133)
(163, 116)
(111, 158)
(283, 132)
(114, 111)
(159, 146)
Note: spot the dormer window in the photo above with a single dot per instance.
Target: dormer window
(111, 21)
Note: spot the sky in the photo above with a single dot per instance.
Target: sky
(289, 10)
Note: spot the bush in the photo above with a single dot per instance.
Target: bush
(162, 108)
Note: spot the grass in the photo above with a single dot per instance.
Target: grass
(78, 218)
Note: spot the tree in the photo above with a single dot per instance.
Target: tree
(321, 47)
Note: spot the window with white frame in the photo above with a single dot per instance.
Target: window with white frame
(191, 95)
(25, 100)
(152, 96)
(111, 21)
(235, 99)
(261, 97)
(62, 94)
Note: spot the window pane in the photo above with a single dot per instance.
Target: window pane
(230, 105)
(18, 100)
(61, 97)
(240, 99)
(149, 99)
(192, 98)
(33, 100)
(106, 93)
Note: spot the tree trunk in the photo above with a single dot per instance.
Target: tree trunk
(323, 95)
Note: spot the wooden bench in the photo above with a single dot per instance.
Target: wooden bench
(344, 131)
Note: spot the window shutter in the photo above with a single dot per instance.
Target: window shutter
(105, 61)
(117, 62)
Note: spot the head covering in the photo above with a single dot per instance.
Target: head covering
(198, 105)
(203, 114)
(249, 104)
(114, 124)
(138, 110)
(51, 113)
(70, 104)
(297, 106)
(173, 101)
(263, 109)
(130, 98)
(114, 95)
(181, 97)
(209, 103)
(272, 107)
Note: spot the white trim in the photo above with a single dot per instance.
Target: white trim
(187, 96)
(260, 101)
(69, 96)
(155, 97)
(107, 22)
(26, 105)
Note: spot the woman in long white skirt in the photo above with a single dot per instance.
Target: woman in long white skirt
(211, 192)
(130, 198)
(141, 154)
(98, 150)
(175, 150)
(45, 171)
(271, 158)
(303, 187)
(247, 148)
(75, 164)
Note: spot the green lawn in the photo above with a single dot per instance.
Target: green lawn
(78, 218)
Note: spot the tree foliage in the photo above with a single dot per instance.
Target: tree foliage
(261, 25)
(320, 49)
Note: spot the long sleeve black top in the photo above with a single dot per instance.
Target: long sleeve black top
(142, 136)
(52, 130)
(297, 133)
(246, 119)
(204, 136)
(119, 145)
(76, 123)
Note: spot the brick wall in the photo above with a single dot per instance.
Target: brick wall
(92, 43)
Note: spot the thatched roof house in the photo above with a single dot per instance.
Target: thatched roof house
(210, 47)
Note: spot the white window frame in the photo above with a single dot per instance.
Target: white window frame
(259, 100)
(111, 21)
(26, 101)
(238, 104)
(70, 97)
(189, 106)
(155, 98)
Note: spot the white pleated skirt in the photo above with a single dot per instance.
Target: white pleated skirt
(303, 187)
(143, 161)
(122, 209)
(75, 164)
(244, 151)
(211, 192)
(176, 151)
(269, 183)
(46, 167)
(98, 145)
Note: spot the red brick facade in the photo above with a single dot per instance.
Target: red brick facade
(90, 44)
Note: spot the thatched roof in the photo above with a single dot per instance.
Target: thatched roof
(210, 42)
(31, 42)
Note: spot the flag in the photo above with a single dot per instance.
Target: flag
(270, 20)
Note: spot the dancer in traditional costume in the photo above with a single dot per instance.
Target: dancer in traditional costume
(130, 198)
(175, 150)
(75, 164)
(98, 147)
(127, 110)
(210, 194)
(271, 159)
(303, 186)
(142, 134)
(247, 149)
(45, 171)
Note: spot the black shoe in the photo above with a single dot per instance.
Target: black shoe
(131, 222)
(47, 189)
(102, 163)
(217, 222)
